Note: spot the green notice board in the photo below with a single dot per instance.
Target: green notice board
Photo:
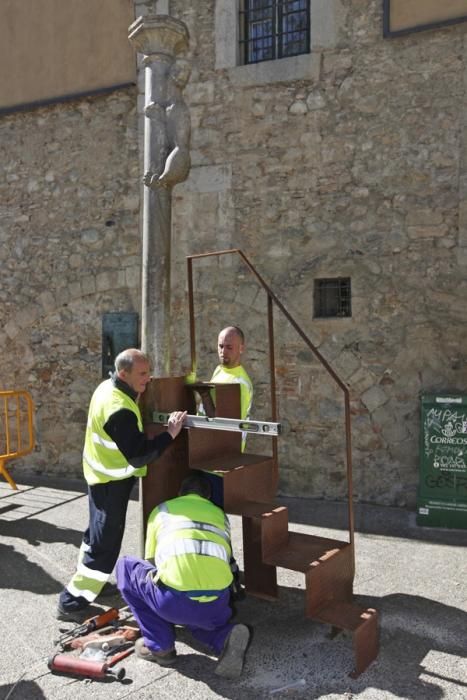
(442, 492)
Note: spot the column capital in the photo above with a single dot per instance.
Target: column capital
(158, 34)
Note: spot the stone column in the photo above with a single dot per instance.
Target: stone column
(160, 39)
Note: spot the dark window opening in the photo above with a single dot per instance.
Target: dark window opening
(332, 298)
(274, 29)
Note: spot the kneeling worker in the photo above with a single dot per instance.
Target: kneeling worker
(188, 538)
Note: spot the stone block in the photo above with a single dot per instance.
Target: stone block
(11, 329)
(88, 284)
(424, 217)
(26, 316)
(374, 397)
(330, 410)
(74, 289)
(133, 277)
(298, 107)
(461, 256)
(212, 178)
(346, 364)
(200, 93)
(47, 300)
(104, 281)
(415, 232)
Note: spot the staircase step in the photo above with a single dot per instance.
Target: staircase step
(302, 550)
(247, 476)
(361, 622)
(346, 616)
(264, 529)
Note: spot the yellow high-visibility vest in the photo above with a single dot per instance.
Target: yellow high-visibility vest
(189, 539)
(102, 460)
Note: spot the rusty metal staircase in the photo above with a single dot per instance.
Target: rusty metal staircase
(250, 484)
(328, 568)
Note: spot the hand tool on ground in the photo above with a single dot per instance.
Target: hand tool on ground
(115, 658)
(104, 650)
(110, 656)
(112, 635)
(67, 663)
(93, 623)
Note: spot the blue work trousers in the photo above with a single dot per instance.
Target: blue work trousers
(157, 608)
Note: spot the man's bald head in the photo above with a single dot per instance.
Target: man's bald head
(230, 346)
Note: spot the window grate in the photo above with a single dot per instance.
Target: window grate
(332, 298)
(273, 29)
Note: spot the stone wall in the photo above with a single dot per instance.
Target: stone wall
(70, 251)
(347, 162)
(356, 168)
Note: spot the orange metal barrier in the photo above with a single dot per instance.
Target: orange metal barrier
(16, 428)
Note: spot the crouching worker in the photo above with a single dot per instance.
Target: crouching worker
(185, 580)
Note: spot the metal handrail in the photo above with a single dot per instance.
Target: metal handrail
(16, 430)
(272, 298)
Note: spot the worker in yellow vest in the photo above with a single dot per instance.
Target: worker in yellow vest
(230, 347)
(116, 452)
(185, 580)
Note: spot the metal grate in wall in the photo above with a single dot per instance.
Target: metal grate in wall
(332, 298)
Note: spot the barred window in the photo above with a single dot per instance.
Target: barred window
(332, 298)
(273, 29)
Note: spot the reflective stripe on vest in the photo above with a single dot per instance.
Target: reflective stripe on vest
(225, 534)
(169, 525)
(181, 547)
(116, 473)
(110, 444)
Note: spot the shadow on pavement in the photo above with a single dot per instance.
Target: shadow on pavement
(23, 575)
(415, 632)
(29, 690)
(35, 531)
(386, 521)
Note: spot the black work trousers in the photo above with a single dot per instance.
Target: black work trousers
(101, 543)
(108, 505)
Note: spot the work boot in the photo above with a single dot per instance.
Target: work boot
(79, 615)
(163, 658)
(230, 662)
